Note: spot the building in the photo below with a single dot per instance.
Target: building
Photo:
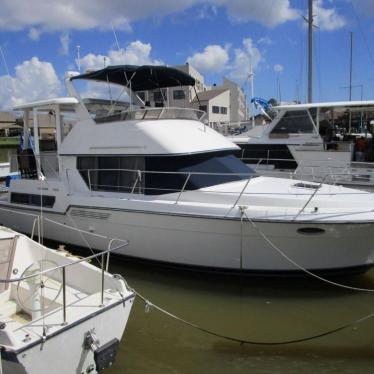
(180, 97)
(238, 100)
(216, 103)
(9, 125)
(223, 104)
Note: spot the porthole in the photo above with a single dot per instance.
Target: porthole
(310, 231)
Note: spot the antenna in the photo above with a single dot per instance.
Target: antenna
(115, 36)
(4, 61)
(78, 58)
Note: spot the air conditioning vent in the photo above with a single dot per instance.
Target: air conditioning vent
(89, 214)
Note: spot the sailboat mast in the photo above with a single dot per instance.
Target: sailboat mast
(310, 51)
(350, 68)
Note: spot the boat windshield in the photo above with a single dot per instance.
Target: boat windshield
(155, 175)
(294, 122)
(199, 171)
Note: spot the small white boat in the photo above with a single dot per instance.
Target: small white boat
(58, 314)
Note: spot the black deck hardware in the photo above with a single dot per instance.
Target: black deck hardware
(104, 356)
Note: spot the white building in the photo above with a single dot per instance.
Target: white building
(175, 96)
(216, 103)
(238, 100)
(223, 104)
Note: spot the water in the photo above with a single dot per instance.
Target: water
(247, 308)
(270, 309)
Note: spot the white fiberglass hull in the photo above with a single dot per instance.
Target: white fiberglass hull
(65, 352)
(210, 242)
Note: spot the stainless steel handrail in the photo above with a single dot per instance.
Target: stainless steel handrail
(85, 259)
(63, 270)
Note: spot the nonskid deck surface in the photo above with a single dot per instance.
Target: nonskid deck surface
(79, 307)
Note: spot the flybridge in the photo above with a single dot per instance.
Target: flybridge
(140, 78)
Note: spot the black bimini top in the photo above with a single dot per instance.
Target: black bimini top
(140, 78)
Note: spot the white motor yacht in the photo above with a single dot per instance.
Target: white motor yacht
(291, 145)
(58, 313)
(172, 186)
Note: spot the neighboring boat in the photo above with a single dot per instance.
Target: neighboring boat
(291, 144)
(58, 313)
(172, 186)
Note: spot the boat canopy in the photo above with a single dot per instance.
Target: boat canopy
(140, 78)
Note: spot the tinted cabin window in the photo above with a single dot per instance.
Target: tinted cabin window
(294, 122)
(31, 199)
(215, 109)
(164, 174)
(112, 173)
(217, 162)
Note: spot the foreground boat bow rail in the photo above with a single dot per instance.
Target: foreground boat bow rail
(174, 187)
(58, 313)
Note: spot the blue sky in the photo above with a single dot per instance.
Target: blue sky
(219, 37)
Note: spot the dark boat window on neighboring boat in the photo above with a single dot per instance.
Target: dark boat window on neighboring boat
(32, 199)
(293, 122)
(164, 174)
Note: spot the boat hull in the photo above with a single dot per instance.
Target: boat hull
(211, 242)
(50, 356)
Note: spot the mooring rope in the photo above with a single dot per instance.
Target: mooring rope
(243, 209)
(303, 269)
(149, 304)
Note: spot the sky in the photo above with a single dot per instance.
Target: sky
(39, 39)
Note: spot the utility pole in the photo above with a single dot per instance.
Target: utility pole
(310, 51)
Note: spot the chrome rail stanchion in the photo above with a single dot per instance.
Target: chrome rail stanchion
(184, 186)
(102, 278)
(241, 193)
(35, 221)
(64, 295)
(89, 180)
(138, 179)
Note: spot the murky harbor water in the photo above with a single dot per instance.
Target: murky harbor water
(261, 309)
(247, 308)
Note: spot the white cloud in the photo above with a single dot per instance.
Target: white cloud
(267, 12)
(33, 80)
(213, 59)
(265, 40)
(57, 15)
(136, 53)
(248, 55)
(34, 34)
(327, 19)
(65, 43)
(278, 68)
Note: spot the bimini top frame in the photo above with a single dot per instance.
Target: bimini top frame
(140, 78)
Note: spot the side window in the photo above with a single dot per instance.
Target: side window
(294, 122)
(179, 95)
(120, 174)
(215, 109)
